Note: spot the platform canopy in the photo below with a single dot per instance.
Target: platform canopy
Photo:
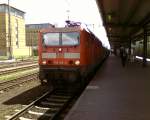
(124, 19)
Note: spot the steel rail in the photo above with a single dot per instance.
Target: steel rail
(9, 71)
(28, 106)
(15, 82)
(57, 101)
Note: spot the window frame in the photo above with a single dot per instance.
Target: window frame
(60, 39)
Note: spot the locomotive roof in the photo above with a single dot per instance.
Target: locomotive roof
(68, 29)
(63, 29)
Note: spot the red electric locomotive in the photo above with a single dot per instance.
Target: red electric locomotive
(67, 55)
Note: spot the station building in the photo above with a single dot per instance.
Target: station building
(12, 32)
(32, 31)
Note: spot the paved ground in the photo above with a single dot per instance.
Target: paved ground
(115, 93)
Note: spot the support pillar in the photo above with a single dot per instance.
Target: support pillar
(129, 46)
(145, 48)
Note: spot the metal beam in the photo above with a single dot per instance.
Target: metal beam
(145, 20)
(101, 8)
(142, 23)
(121, 10)
(121, 25)
(132, 13)
(116, 36)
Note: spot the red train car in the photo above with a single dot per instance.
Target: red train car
(68, 54)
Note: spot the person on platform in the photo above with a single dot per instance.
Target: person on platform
(123, 55)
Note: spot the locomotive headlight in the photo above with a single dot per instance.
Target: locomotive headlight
(77, 62)
(44, 62)
(59, 49)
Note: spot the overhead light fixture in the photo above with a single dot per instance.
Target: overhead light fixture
(109, 28)
(109, 17)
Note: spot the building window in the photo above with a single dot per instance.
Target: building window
(16, 31)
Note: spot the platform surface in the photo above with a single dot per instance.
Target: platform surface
(115, 93)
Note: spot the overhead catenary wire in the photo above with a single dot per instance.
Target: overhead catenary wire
(68, 9)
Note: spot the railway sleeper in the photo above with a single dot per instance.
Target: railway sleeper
(40, 113)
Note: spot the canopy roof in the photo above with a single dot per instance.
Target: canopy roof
(124, 19)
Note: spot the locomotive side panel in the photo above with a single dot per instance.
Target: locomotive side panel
(91, 52)
(85, 53)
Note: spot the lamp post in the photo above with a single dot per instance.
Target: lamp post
(9, 33)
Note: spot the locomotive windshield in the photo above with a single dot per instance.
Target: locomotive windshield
(58, 39)
(70, 38)
(51, 39)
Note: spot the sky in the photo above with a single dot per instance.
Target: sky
(56, 12)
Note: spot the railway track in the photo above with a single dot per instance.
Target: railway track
(15, 64)
(16, 82)
(16, 69)
(47, 107)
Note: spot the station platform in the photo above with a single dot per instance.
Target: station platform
(115, 93)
